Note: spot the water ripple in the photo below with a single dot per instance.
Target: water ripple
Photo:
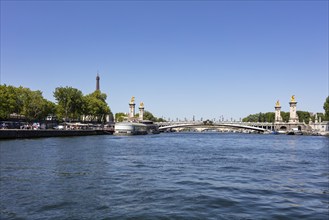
(167, 176)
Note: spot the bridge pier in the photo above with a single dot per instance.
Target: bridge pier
(290, 126)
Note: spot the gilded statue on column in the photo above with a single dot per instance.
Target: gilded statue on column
(132, 100)
(277, 104)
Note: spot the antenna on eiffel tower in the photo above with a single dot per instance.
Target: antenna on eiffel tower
(97, 81)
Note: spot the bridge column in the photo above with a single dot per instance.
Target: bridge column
(278, 117)
(293, 111)
(132, 108)
(141, 111)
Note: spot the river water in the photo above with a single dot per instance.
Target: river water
(166, 176)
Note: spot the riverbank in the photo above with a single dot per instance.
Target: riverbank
(20, 133)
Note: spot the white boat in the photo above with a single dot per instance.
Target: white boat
(130, 128)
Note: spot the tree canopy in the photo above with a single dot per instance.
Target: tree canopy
(326, 109)
(24, 103)
(96, 107)
(69, 102)
(149, 116)
(260, 117)
(303, 116)
(120, 116)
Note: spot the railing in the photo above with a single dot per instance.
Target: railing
(215, 123)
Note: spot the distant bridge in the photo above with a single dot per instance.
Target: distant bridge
(260, 127)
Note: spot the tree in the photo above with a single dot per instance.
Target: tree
(149, 116)
(23, 101)
(8, 103)
(319, 115)
(260, 117)
(34, 105)
(49, 107)
(69, 102)
(96, 107)
(120, 116)
(326, 109)
(285, 116)
(304, 116)
(270, 117)
(161, 120)
(251, 118)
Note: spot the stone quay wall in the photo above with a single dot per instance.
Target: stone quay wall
(19, 133)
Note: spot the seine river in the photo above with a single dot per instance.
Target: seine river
(166, 176)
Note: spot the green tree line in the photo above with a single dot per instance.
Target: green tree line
(270, 117)
(326, 109)
(70, 104)
(302, 115)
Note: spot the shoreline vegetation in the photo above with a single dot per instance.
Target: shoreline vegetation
(71, 105)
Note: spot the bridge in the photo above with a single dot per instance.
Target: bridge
(208, 125)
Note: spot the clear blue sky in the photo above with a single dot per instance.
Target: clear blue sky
(185, 58)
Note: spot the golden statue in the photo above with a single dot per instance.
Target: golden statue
(293, 99)
(277, 104)
(141, 105)
(132, 100)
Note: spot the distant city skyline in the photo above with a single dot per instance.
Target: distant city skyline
(208, 59)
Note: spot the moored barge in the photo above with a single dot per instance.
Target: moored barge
(130, 128)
